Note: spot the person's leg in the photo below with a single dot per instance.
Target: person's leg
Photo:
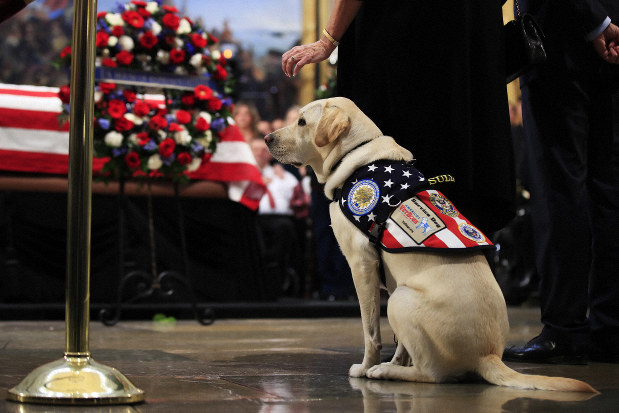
(556, 124)
(603, 187)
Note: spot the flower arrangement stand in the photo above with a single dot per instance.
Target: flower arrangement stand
(153, 284)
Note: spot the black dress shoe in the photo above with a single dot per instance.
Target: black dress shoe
(544, 350)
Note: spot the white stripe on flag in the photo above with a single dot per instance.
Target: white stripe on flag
(29, 140)
(398, 233)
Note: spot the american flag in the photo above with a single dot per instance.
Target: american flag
(31, 141)
(391, 203)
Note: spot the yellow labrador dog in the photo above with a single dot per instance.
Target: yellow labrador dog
(446, 310)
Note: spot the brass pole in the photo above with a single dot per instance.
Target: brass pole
(77, 379)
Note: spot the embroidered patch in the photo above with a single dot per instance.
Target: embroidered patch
(417, 220)
(471, 232)
(444, 205)
(363, 197)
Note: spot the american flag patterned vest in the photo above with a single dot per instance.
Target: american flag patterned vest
(392, 203)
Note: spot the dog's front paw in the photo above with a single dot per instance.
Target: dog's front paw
(378, 372)
(357, 370)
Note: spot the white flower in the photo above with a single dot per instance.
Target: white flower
(156, 28)
(133, 139)
(207, 116)
(113, 139)
(194, 164)
(126, 43)
(182, 137)
(230, 120)
(112, 41)
(216, 54)
(178, 43)
(133, 118)
(163, 57)
(144, 58)
(180, 70)
(152, 7)
(114, 19)
(162, 134)
(98, 95)
(154, 162)
(184, 27)
(196, 60)
(206, 140)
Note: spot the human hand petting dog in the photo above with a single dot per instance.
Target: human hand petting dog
(607, 44)
(297, 57)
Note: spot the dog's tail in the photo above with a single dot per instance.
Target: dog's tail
(496, 372)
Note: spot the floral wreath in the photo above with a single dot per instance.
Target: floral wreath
(146, 136)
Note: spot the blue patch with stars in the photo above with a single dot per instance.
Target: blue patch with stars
(375, 190)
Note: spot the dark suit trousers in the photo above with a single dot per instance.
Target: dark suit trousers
(572, 138)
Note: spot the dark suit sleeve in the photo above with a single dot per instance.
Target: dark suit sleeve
(590, 13)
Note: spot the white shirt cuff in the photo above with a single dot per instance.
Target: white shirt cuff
(598, 30)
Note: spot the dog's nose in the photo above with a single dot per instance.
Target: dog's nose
(268, 138)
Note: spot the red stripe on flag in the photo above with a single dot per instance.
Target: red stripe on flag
(22, 92)
(30, 119)
(389, 241)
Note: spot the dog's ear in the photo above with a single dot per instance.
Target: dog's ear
(333, 123)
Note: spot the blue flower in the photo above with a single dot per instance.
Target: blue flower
(168, 161)
(150, 146)
(218, 124)
(104, 123)
(117, 152)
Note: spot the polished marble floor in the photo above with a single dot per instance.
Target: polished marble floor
(279, 365)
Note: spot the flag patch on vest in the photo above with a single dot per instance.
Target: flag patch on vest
(390, 203)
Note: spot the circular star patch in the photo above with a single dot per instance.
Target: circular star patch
(471, 233)
(363, 197)
(442, 204)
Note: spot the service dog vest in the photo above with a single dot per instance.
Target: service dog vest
(390, 202)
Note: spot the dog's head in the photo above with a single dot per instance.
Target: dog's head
(325, 130)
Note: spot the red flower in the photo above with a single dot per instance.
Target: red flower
(118, 31)
(132, 159)
(184, 158)
(175, 127)
(220, 73)
(101, 14)
(183, 117)
(129, 95)
(202, 125)
(64, 94)
(124, 58)
(139, 3)
(148, 40)
(170, 9)
(197, 40)
(212, 39)
(157, 122)
(177, 56)
(166, 148)
(143, 138)
(214, 104)
(123, 124)
(107, 87)
(133, 18)
(109, 62)
(65, 52)
(102, 39)
(203, 92)
(171, 21)
(143, 12)
(116, 108)
(188, 99)
(141, 108)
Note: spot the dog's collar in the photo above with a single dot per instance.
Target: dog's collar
(335, 165)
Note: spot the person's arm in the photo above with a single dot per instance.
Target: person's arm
(343, 13)
(10, 7)
(607, 44)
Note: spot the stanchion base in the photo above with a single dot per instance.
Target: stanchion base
(76, 381)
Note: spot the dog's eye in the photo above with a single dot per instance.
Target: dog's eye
(301, 122)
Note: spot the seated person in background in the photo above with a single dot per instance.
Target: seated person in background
(280, 246)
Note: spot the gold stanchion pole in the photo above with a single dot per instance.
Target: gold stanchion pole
(77, 378)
